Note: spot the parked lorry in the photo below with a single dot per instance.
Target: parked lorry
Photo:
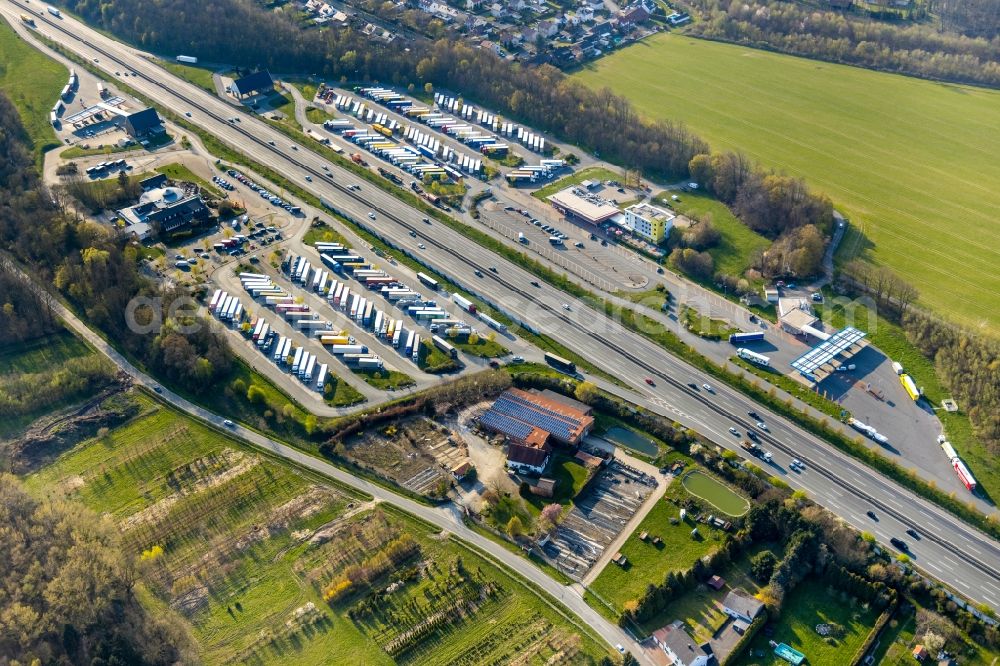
(339, 350)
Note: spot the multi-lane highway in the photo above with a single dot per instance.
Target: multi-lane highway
(950, 550)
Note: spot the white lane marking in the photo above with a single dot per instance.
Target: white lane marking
(891, 501)
(949, 560)
(991, 600)
(963, 584)
(931, 565)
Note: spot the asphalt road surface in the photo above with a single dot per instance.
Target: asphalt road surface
(949, 550)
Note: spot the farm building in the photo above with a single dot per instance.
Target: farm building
(527, 459)
(253, 84)
(572, 403)
(524, 417)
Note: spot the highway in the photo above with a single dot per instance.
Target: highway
(949, 550)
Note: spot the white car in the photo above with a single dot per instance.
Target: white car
(734, 432)
(565, 306)
(708, 388)
(228, 423)
(372, 215)
(762, 426)
(796, 464)
(421, 246)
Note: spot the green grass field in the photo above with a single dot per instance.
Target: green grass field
(200, 76)
(29, 371)
(32, 81)
(648, 563)
(41, 354)
(570, 477)
(812, 603)
(701, 608)
(179, 172)
(912, 163)
(250, 545)
(385, 379)
(738, 242)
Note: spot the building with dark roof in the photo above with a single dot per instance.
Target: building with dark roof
(163, 210)
(741, 606)
(527, 459)
(142, 124)
(681, 648)
(153, 182)
(252, 84)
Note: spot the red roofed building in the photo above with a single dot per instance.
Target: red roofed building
(530, 420)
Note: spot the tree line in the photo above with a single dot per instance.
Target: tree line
(25, 311)
(966, 50)
(66, 596)
(541, 96)
(97, 269)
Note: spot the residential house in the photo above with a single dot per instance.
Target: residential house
(680, 647)
(547, 28)
(739, 605)
(634, 15)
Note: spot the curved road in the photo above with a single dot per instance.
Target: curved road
(448, 518)
(950, 550)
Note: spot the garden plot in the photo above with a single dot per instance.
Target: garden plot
(598, 515)
(266, 565)
(416, 453)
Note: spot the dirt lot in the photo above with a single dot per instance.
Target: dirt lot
(599, 514)
(415, 453)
